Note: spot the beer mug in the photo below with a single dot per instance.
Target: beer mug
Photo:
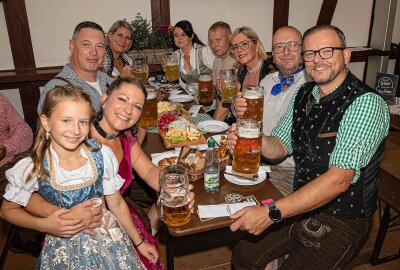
(148, 117)
(229, 86)
(254, 96)
(171, 67)
(247, 152)
(139, 70)
(174, 207)
(206, 89)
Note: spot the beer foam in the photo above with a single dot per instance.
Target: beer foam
(205, 78)
(151, 95)
(252, 95)
(249, 133)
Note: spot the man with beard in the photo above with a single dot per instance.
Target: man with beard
(279, 88)
(335, 127)
(87, 48)
(218, 39)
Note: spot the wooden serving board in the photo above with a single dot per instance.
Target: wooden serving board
(168, 144)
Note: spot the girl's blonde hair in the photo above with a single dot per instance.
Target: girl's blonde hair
(252, 35)
(41, 144)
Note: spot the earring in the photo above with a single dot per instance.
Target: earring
(47, 135)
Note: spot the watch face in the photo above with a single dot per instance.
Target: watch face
(275, 214)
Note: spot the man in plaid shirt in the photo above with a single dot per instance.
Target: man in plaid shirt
(335, 127)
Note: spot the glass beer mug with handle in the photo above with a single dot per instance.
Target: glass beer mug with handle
(173, 204)
(229, 85)
(254, 96)
(247, 152)
(171, 69)
(139, 70)
(206, 89)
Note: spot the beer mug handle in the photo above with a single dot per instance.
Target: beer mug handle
(159, 206)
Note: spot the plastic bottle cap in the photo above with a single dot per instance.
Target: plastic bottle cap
(211, 142)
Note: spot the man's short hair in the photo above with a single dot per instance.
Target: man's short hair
(317, 28)
(86, 24)
(222, 25)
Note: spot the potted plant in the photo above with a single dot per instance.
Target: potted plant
(149, 41)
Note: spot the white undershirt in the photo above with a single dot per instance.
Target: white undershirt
(96, 86)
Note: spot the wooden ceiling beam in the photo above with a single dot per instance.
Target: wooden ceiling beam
(326, 12)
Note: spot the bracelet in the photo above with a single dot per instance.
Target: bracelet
(141, 242)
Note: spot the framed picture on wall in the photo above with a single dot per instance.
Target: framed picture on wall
(386, 85)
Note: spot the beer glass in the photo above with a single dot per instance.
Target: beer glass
(148, 117)
(139, 70)
(229, 86)
(171, 67)
(174, 208)
(206, 89)
(254, 96)
(247, 152)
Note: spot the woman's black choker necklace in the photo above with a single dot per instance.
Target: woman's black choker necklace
(103, 133)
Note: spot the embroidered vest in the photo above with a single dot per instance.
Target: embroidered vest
(315, 126)
(70, 197)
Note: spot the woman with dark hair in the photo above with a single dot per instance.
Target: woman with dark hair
(194, 58)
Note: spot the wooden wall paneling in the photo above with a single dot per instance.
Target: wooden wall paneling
(281, 14)
(160, 12)
(326, 12)
(19, 35)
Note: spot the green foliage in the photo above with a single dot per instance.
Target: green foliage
(148, 37)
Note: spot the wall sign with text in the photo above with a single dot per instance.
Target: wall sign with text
(386, 85)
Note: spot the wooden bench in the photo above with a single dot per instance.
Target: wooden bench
(389, 187)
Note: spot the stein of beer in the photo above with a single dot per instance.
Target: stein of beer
(174, 207)
(247, 152)
(254, 96)
(139, 70)
(206, 89)
(148, 117)
(171, 67)
(229, 86)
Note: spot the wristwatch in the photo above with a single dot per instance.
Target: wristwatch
(274, 213)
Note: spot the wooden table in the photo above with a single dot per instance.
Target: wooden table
(212, 232)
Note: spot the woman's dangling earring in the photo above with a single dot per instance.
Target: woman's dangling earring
(47, 135)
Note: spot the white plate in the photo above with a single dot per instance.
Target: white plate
(180, 98)
(162, 156)
(244, 182)
(213, 126)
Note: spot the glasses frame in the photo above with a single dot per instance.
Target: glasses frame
(319, 52)
(241, 45)
(286, 45)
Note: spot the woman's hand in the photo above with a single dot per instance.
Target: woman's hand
(149, 251)
(232, 138)
(56, 225)
(90, 216)
(126, 71)
(239, 104)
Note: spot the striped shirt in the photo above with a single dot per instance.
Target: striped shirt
(364, 125)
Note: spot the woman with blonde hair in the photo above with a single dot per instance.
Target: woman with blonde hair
(248, 50)
(119, 41)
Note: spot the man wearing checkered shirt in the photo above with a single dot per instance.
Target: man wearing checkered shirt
(335, 127)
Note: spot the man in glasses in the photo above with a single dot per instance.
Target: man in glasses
(278, 90)
(335, 127)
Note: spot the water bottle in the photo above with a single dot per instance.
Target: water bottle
(211, 168)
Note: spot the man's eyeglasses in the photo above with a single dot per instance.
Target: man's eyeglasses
(243, 45)
(179, 35)
(292, 46)
(324, 53)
